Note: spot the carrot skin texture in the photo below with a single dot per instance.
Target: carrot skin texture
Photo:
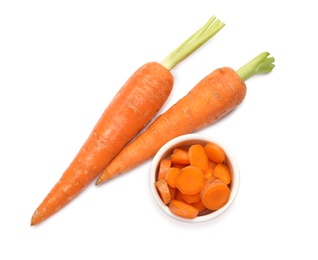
(213, 97)
(131, 109)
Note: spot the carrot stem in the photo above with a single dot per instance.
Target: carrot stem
(262, 63)
(212, 26)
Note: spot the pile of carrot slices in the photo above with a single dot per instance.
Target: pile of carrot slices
(194, 180)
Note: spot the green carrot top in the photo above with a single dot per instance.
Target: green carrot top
(212, 27)
(262, 63)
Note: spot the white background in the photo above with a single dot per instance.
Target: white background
(61, 62)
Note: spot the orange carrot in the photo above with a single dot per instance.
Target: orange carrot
(183, 209)
(191, 198)
(178, 165)
(131, 109)
(222, 172)
(215, 153)
(190, 180)
(212, 164)
(173, 192)
(213, 97)
(198, 157)
(199, 205)
(164, 167)
(180, 150)
(163, 189)
(179, 195)
(171, 176)
(208, 174)
(180, 158)
(215, 194)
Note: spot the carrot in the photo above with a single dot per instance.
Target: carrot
(213, 97)
(215, 153)
(222, 172)
(215, 194)
(131, 109)
(199, 205)
(164, 167)
(190, 180)
(191, 198)
(180, 158)
(180, 150)
(171, 176)
(179, 195)
(163, 189)
(209, 173)
(183, 209)
(173, 192)
(198, 157)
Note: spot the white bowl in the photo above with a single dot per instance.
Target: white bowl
(187, 140)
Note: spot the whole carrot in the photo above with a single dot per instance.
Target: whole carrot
(135, 104)
(213, 97)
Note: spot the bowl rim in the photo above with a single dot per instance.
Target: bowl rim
(186, 140)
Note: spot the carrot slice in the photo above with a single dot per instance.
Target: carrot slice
(222, 172)
(173, 192)
(164, 192)
(214, 152)
(183, 209)
(179, 195)
(180, 150)
(209, 174)
(180, 158)
(198, 157)
(199, 205)
(190, 180)
(164, 166)
(215, 194)
(191, 198)
(212, 164)
(171, 176)
(178, 165)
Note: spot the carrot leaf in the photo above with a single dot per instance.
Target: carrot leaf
(260, 64)
(212, 27)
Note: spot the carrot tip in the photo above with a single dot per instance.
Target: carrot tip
(99, 181)
(35, 219)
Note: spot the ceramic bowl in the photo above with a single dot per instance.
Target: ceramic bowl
(188, 140)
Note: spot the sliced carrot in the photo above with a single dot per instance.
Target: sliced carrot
(180, 150)
(190, 180)
(209, 173)
(164, 166)
(171, 176)
(178, 165)
(173, 192)
(179, 195)
(212, 164)
(183, 209)
(198, 157)
(215, 194)
(180, 158)
(199, 205)
(222, 172)
(164, 192)
(191, 198)
(214, 152)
